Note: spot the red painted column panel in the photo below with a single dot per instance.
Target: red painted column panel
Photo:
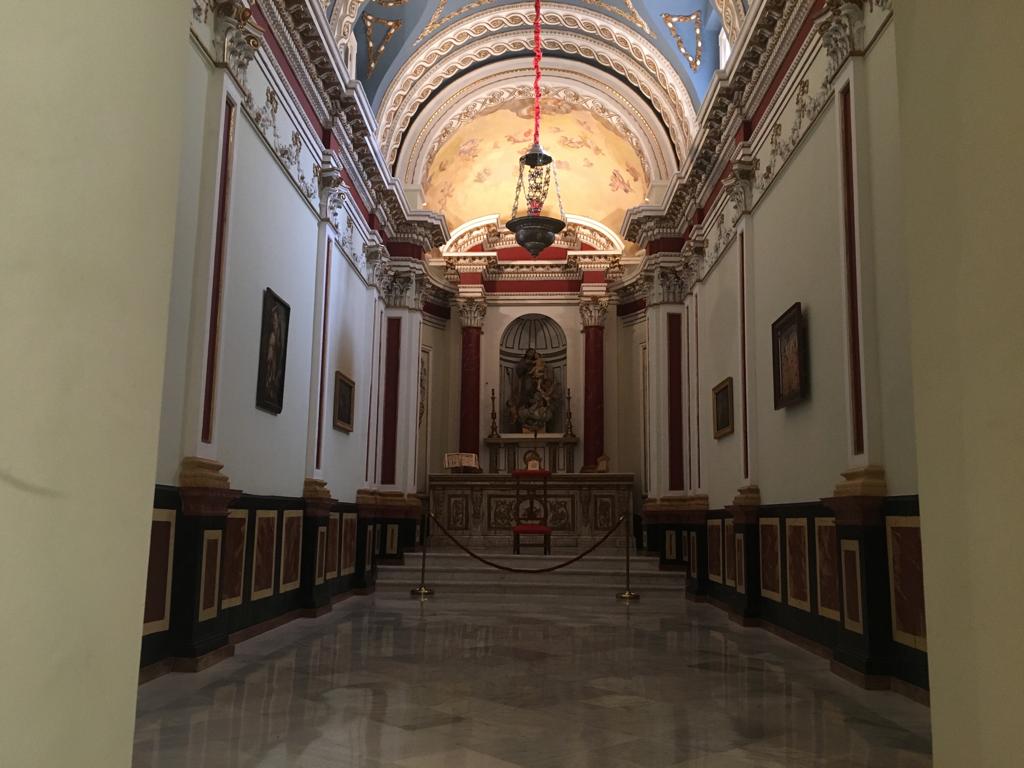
(389, 436)
(593, 395)
(469, 409)
(675, 402)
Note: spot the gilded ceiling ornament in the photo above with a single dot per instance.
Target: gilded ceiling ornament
(630, 15)
(375, 50)
(391, 3)
(671, 21)
(580, 33)
(438, 20)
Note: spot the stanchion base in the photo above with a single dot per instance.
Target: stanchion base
(628, 595)
(421, 591)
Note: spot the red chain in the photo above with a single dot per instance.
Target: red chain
(536, 72)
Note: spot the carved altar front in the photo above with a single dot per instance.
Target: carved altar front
(477, 508)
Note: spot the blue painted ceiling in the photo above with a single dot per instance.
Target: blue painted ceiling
(645, 17)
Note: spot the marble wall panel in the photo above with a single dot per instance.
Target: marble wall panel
(771, 558)
(693, 555)
(320, 572)
(853, 617)
(209, 584)
(157, 611)
(391, 540)
(235, 529)
(827, 555)
(730, 553)
(333, 538)
(264, 554)
(798, 587)
(670, 545)
(715, 550)
(291, 550)
(604, 511)
(906, 582)
(741, 564)
(349, 526)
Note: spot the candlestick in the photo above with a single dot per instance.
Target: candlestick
(494, 417)
(568, 413)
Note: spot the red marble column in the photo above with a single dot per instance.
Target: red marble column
(471, 312)
(593, 313)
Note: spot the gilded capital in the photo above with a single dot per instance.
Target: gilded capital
(593, 312)
(472, 312)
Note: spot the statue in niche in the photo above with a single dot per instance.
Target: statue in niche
(532, 404)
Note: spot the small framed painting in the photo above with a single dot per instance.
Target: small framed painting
(721, 404)
(790, 358)
(273, 353)
(344, 402)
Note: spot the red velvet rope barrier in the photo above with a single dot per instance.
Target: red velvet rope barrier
(493, 564)
(537, 53)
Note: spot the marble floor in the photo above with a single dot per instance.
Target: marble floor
(559, 682)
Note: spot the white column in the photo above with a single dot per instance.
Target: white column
(90, 158)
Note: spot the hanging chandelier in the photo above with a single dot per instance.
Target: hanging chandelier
(533, 231)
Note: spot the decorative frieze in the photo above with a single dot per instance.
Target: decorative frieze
(842, 31)
(333, 191)
(236, 39)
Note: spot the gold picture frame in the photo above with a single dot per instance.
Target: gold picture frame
(344, 402)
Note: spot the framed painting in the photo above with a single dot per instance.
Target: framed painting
(344, 402)
(721, 404)
(790, 369)
(273, 353)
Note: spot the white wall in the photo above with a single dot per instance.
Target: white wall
(271, 243)
(90, 158)
(193, 122)
(349, 350)
(624, 414)
(890, 262)
(718, 326)
(802, 449)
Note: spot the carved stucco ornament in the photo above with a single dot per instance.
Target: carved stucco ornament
(237, 39)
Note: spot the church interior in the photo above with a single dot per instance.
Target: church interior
(511, 384)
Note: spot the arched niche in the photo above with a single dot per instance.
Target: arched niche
(525, 340)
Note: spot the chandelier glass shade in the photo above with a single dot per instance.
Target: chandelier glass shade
(537, 173)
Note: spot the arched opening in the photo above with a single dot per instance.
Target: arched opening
(532, 360)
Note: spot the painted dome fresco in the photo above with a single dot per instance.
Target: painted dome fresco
(473, 173)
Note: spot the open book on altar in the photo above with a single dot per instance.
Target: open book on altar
(460, 460)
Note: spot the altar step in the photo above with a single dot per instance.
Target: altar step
(594, 574)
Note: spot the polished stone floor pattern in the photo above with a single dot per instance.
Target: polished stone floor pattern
(560, 682)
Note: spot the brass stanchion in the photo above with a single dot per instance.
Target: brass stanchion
(629, 594)
(423, 590)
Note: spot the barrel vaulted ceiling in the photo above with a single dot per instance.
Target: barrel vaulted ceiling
(439, 72)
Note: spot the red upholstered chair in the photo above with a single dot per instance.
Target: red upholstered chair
(537, 523)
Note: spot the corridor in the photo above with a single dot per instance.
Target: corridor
(540, 682)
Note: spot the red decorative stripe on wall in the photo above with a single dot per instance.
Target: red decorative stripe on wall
(220, 243)
(325, 332)
(689, 400)
(675, 402)
(532, 286)
(852, 288)
(743, 352)
(389, 436)
(631, 307)
(696, 366)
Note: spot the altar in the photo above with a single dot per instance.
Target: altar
(582, 508)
